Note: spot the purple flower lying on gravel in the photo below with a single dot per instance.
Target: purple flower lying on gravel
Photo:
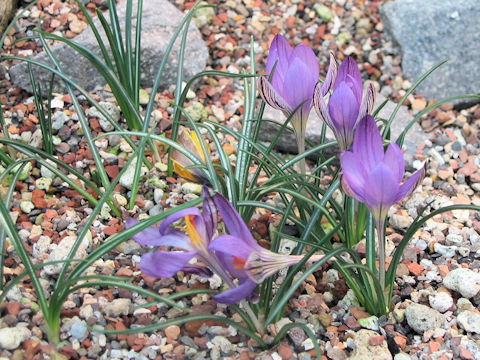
(346, 106)
(373, 176)
(234, 256)
(295, 73)
(194, 238)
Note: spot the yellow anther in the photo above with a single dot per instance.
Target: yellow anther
(191, 230)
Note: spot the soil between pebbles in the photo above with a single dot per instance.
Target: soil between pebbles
(436, 263)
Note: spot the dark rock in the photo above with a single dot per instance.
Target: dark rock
(443, 29)
(156, 33)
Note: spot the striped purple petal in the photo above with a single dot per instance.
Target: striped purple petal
(368, 143)
(209, 213)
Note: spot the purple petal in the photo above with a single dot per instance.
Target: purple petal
(165, 263)
(232, 245)
(149, 236)
(411, 184)
(368, 144)
(343, 110)
(354, 175)
(280, 50)
(308, 57)
(174, 238)
(164, 226)
(271, 96)
(348, 190)
(232, 219)
(209, 213)
(381, 187)
(299, 84)
(234, 265)
(394, 160)
(349, 72)
(234, 295)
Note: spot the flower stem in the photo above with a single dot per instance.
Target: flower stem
(301, 149)
(380, 223)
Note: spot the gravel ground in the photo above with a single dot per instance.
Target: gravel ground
(436, 300)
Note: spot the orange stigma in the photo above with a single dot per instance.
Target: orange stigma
(238, 262)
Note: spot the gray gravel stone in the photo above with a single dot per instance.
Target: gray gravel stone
(441, 301)
(469, 321)
(443, 29)
(118, 307)
(422, 318)
(61, 251)
(79, 330)
(159, 21)
(465, 281)
(364, 351)
(111, 109)
(11, 338)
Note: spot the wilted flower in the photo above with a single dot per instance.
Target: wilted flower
(373, 176)
(295, 73)
(191, 142)
(347, 104)
(240, 253)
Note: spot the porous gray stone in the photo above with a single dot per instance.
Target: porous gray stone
(465, 281)
(469, 321)
(11, 338)
(118, 307)
(159, 21)
(441, 29)
(288, 143)
(440, 301)
(422, 318)
(364, 351)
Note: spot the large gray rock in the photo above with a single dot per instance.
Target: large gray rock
(160, 20)
(7, 10)
(288, 143)
(432, 31)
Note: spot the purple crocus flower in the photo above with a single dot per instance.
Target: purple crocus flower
(293, 81)
(194, 239)
(348, 104)
(241, 254)
(197, 232)
(373, 176)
